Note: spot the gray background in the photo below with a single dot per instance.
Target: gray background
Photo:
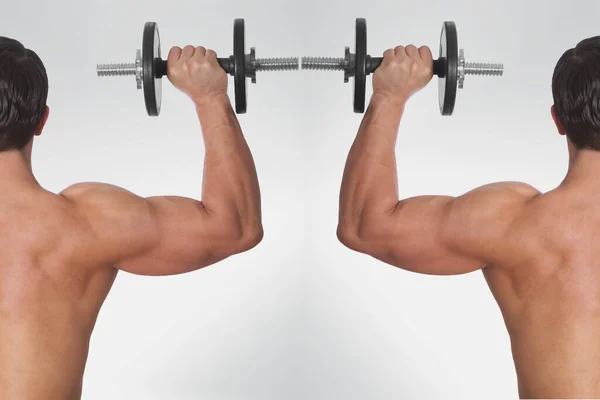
(300, 316)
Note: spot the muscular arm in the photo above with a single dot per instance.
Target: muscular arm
(432, 235)
(173, 235)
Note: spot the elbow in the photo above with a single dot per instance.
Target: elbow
(245, 236)
(348, 236)
(251, 237)
(367, 236)
(234, 232)
(355, 237)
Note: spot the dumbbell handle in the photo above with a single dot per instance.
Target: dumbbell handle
(160, 66)
(439, 66)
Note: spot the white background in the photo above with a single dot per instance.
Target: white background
(300, 316)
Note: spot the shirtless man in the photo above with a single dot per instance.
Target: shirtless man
(61, 253)
(539, 252)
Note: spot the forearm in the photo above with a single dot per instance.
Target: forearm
(369, 186)
(230, 183)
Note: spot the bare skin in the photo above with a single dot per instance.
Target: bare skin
(62, 252)
(538, 252)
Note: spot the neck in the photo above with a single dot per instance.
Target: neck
(584, 168)
(15, 170)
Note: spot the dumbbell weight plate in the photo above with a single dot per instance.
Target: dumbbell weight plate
(152, 82)
(446, 67)
(239, 60)
(150, 53)
(448, 84)
(360, 63)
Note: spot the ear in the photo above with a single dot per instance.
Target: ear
(561, 130)
(40, 127)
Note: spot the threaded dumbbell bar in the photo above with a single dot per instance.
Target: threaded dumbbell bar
(339, 64)
(451, 67)
(260, 64)
(149, 67)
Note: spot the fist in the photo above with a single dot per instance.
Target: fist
(196, 72)
(403, 72)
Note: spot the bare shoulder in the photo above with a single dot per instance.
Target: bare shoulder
(90, 191)
(507, 190)
(497, 203)
(100, 200)
(115, 215)
(481, 218)
(501, 199)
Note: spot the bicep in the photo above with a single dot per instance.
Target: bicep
(419, 236)
(442, 235)
(184, 237)
(148, 236)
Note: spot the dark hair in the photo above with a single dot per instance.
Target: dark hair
(23, 94)
(576, 91)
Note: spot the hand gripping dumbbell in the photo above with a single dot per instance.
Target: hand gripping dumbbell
(451, 67)
(149, 67)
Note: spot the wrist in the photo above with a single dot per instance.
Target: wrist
(388, 101)
(385, 110)
(219, 100)
(215, 113)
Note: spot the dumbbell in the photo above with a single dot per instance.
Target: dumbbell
(451, 67)
(149, 67)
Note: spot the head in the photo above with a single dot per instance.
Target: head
(576, 91)
(23, 95)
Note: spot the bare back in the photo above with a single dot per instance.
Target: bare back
(547, 283)
(538, 252)
(61, 253)
(52, 286)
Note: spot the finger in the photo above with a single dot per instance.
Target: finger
(188, 52)
(412, 51)
(174, 55)
(388, 56)
(210, 55)
(199, 52)
(400, 51)
(426, 55)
